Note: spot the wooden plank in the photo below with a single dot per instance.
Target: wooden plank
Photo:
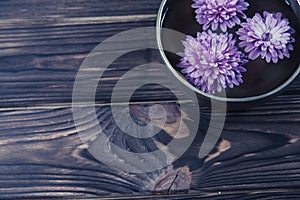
(220, 196)
(42, 45)
(42, 156)
(43, 9)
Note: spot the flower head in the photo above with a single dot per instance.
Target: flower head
(268, 36)
(212, 62)
(223, 13)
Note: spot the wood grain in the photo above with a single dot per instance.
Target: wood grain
(42, 156)
(42, 45)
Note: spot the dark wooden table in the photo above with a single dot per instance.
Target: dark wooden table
(42, 45)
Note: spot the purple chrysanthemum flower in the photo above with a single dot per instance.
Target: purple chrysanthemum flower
(269, 37)
(223, 13)
(212, 62)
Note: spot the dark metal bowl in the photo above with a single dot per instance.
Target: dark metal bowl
(262, 80)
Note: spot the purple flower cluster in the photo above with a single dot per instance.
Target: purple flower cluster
(223, 13)
(269, 36)
(212, 62)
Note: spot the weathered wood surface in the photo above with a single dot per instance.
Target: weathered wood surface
(42, 44)
(42, 155)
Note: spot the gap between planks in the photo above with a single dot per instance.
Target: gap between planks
(68, 105)
(202, 195)
(79, 20)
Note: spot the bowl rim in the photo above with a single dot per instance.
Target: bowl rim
(160, 19)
